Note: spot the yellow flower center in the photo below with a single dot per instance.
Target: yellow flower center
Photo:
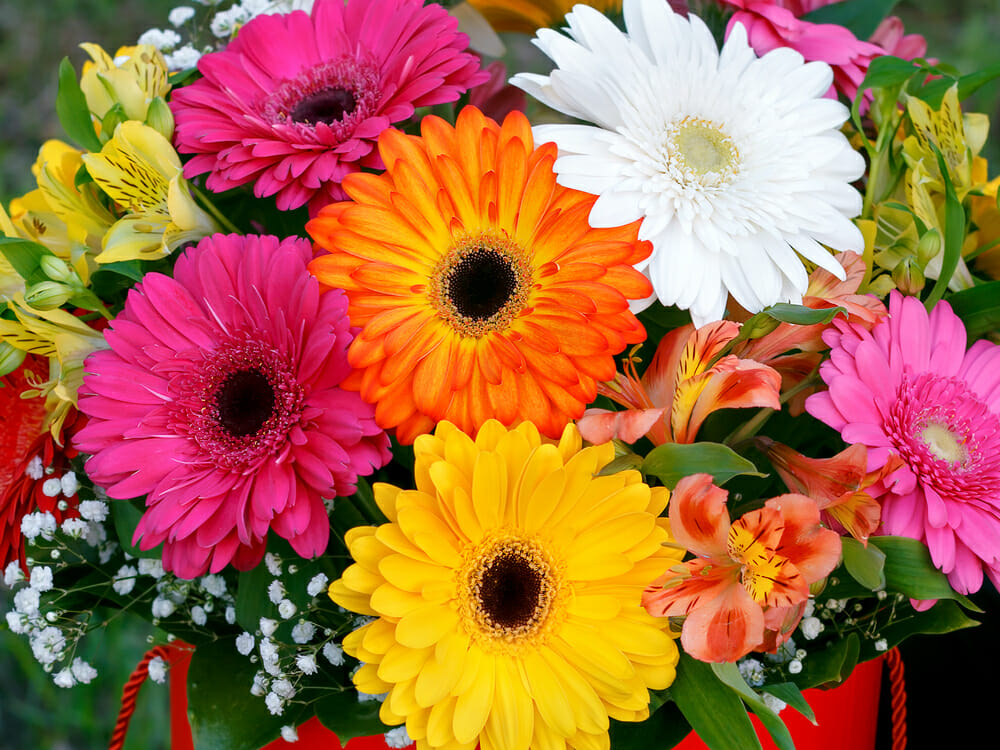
(510, 592)
(700, 152)
(761, 567)
(481, 284)
(943, 443)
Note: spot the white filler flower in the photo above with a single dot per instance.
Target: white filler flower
(735, 164)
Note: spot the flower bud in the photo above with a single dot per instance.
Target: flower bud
(48, 295)
(908, 276)
(160, 118)
(928, 247)
(57, 269)
(758, 326)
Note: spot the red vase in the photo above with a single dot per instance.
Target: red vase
(846, 716)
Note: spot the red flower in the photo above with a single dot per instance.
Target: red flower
(24, 437)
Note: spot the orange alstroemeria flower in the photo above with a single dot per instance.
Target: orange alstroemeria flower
(748, 576)
(794, 350)
(842, 487)
(681, 387)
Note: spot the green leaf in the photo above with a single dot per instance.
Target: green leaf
(666, 724)
(342, 712)
(729, 673)
(790, 693)
(910, 571)
(712, 708)
(72, 109)
(125, 515)
(866, 564)
(623, 462)
(887, 72)
(831, 666)
(25, 256)
(979, 308)
(933, 92)
(801, 315)
(954, 234)
(860, 16)
(131, 269)
(944, 617)
(223, 713)
(672, 462)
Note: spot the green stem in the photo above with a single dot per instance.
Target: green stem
(211, 208)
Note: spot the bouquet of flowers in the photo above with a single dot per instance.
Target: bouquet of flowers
(423, 383)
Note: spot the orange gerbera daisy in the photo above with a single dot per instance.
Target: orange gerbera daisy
(480, 289)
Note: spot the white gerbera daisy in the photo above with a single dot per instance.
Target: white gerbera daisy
(735, 164)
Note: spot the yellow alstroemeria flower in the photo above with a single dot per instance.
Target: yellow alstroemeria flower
(958, 136)
(527, 16)
(69, 220)
(62, 338)
(140, 171)
(11, 282)
(133, 78)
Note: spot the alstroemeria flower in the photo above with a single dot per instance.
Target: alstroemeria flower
(67, 218)
(747, 576)
(842, 486)
(684, 384)
(132, 79)
(141, 172)
(65, 341)
(795, 350)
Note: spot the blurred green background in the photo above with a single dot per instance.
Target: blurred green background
(34, 36)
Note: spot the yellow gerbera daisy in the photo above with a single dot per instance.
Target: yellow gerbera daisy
(480, 290)
(507, 588)
(527, 16)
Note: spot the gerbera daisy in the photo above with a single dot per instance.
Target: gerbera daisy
(507, 590)
(909, 388)
(480, 289)
(296, 101)
(734, 164)
(220, 400)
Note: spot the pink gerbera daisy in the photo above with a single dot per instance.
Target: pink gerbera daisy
(220, 400)
(296, 102)
(909, 388)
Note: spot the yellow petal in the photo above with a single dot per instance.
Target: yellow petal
(426, 625)
(511, 719)
(401, 663)
(350, 599)
(489, 489)
(412, 575)
(389, 601)
(550, 700)
(439, 722)
(473, 706)
(588, 710)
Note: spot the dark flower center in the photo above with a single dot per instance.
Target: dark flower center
(510, 591)
(326, 106)
(481, 283)
(245, 401)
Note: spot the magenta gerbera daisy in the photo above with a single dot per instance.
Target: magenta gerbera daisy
(909, 388)
(220, 401)
(296, 102)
